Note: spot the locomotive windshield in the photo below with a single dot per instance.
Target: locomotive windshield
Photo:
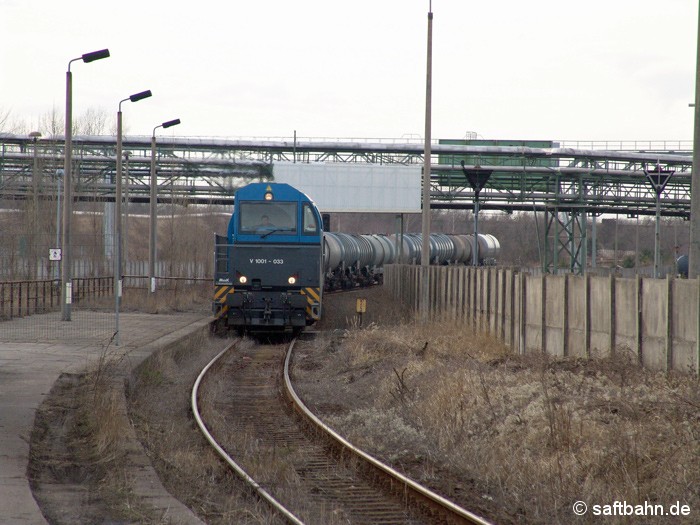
(268, 217)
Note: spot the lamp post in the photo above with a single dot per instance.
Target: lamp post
(694, 246)
(425, 222)
(59, 174)
(118, 209)
(35, 136)
(34, 217)
(152, 235)
(66, 271)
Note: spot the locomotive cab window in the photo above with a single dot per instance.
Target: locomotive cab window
(310, 222)
(268, 217)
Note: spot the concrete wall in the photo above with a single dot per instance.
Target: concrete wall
(565, 315)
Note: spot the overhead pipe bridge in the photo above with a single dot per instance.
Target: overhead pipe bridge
(567, 184)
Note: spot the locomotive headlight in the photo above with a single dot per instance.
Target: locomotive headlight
(292, 279)
(242, 279)
(268, 195)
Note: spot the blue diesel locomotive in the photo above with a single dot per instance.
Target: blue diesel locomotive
(269, 266)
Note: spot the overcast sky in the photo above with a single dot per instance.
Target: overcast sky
(504, 69)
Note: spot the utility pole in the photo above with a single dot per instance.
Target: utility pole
(694, 245)
(425, 249)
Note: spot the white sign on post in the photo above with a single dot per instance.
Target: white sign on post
(54, 254)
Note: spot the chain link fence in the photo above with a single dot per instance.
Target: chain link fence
(30, 269)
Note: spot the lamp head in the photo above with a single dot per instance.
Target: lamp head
(95, 55)
(140, 96)
(171, 123)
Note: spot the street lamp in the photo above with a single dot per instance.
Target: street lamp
(152, 236)
(59, 174)
(425, 222)
(118, 209)
(34, 270)
(66, 271)
(35, 136)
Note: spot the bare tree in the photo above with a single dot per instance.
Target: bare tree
(4, 119)
(7, 124)
(52, 124)
(92, 122)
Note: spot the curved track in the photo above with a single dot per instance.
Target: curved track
(304, 476)
(221, 452)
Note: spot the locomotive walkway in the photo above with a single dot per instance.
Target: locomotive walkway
(29, 366)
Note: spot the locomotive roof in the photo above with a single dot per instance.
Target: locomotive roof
(280, 191)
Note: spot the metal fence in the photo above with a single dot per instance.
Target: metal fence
(23, 298)
(30, 278)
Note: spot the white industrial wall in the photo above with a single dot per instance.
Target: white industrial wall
(393, 188)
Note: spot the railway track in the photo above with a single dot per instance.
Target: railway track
(261, 428)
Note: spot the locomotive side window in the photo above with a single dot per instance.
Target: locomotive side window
(310, 223)
(268, 217)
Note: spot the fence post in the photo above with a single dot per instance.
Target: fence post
(459, 299)
(448, 295)
(523, 313)
(43, 295)
(503, 295)
(565, 323)
(447, 298)
(613, 315)
(436, 289)
(512, 308)
(543, 313)
(485, 299)
(419, 282)
(669, 322)
(638, 329)
(587, 319)
(479, 298)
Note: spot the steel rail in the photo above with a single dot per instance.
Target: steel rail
(219, 449)
(424, 492)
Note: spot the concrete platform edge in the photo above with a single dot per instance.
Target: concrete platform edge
(146, 484)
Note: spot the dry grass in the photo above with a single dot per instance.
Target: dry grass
(87, 449)
(177, 298)
(519, 438)
(532, 433)
(190, 470)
